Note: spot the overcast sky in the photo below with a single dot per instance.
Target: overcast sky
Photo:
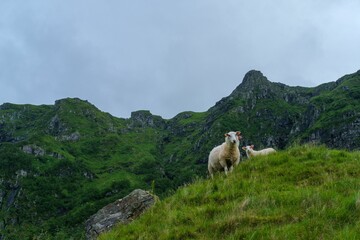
(169, 56)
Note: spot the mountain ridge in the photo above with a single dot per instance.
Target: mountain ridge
(65, 161)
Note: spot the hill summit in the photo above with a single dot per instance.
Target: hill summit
(251, 80)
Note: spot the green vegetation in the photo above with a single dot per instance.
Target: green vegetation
(305, 192)
(68, 179)
(341, 104)
(61, 163)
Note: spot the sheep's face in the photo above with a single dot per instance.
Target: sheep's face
(232, 137)
(248, 148)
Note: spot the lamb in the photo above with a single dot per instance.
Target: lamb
(250, 152)
(225, 156)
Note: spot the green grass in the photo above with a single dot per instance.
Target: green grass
(306, 192)
(191, 117)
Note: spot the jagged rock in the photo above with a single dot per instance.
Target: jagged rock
(33, 149)
(144, 118)
(21, 173)
(56, 126)
(121, 211)
(38, 151)
(73, 137)
(89, 175)
(12, 196)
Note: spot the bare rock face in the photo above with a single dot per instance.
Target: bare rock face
(33, 149)
(121, 211)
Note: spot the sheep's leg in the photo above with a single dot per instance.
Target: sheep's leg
(226, 170)
(224, 165)
(237, 161)
(211, 172)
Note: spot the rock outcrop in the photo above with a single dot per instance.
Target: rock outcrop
(121, 211)
(144, 118)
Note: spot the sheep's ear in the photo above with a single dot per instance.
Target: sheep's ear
(244, 148)
(226, 134)
(238, 134)
(252, 146)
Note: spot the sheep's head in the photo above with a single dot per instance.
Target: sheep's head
(248, 148)
(233, 137)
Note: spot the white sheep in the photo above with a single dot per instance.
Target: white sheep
(225, 156)
(250, 152)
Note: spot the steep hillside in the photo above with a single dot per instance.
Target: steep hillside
(337, 114)
(63, 162)
(305, 192)
(273, 114)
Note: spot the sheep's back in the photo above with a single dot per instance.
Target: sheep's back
(269, 150)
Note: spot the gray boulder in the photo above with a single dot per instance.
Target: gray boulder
(121, 211)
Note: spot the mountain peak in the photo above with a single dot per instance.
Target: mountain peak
(69, 100)
(251, 80)
(74, 104)
(254, 77)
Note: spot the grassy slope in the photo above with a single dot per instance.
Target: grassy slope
(305, 192)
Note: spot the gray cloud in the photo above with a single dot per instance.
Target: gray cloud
(169, 56)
